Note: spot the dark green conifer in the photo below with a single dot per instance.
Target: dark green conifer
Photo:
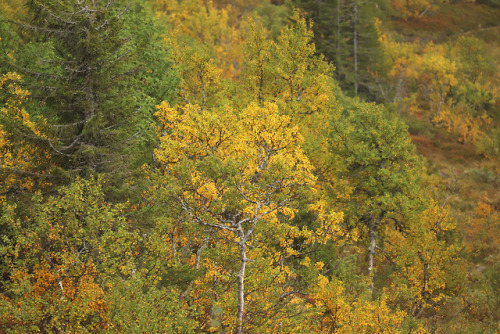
(83, 77)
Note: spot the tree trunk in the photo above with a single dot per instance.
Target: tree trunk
(371, 253)
(419, 307)
(337, 46)
(355, 44)
(241, 285)
(373, 227)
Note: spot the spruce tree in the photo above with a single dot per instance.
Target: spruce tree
(83, 81)
(345, 34)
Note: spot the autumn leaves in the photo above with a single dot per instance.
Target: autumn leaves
(264, 183)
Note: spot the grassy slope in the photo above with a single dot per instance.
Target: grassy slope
(479, 176)
(474, 178)
(451, 20)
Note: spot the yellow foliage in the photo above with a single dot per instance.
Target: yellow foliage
(466, 126)
(22, 164)
(13, 9)
(208, 26)
(483, 230)
(437, 75)
(424, 259)
(342, 315)
(241, 168)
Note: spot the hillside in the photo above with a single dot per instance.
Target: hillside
(248, 167)
(472, 178)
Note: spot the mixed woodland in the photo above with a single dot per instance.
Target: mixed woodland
(249, 166)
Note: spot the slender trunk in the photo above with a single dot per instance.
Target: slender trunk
(59, 282)
(241, 286)
(400, 107)
(425, 291)
(355, 42)
(400, 92)
(337, 46)
(261, 84)
(419, 308)
(373, 228)
(203, 94)
(440, 103)
(371, 253)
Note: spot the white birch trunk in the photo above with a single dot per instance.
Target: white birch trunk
(241, 286)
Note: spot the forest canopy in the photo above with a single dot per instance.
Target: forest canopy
(249, 166)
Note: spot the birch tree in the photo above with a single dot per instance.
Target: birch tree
(238, 173)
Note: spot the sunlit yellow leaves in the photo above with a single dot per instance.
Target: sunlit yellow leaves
(187, 133)
(258, 154)
(329, 296)
(21, 163)
(401, 63)
(269, 129)
(451, 85)
(319, 265)
(437, 76)
(374, 317)
(424, 258)
(329, 224)
(340, 314)
(483, 229)
(467, 127)
(257, 139)
(238, 175)
(214, 37)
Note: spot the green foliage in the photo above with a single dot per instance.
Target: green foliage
(378, 159)
(156, 78)
(262, 184)
(67, 251)
(138, 307)
(380, 170)
(334, 23)
(92, 69)
(82, 55)
(272, 17)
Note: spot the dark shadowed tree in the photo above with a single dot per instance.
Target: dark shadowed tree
(82, 81)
